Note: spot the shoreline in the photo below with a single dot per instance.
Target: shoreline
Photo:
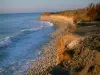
(46, 64)
(28, 63)
(48, 58)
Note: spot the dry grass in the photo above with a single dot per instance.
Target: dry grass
(91, 13)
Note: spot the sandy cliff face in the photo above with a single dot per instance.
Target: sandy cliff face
(57, 17)
(62, 54)
(62, 20)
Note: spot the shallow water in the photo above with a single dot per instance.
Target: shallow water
(21, 39)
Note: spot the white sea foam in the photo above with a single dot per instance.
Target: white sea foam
(8, 40)
(50, 24)
(5, 42)
(33, 29)
(43, 24)
(46, 23)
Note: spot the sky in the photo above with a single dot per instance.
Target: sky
(26, 6)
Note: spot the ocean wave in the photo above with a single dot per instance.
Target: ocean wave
(33, 29)
(8, 40)
(5, 42)
(44, 24)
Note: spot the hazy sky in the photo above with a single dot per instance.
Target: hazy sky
(17, 6)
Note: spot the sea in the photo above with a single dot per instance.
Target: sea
(22, 37)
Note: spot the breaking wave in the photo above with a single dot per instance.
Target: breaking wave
(8, 40)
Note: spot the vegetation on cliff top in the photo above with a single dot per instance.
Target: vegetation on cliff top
(91, 13)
